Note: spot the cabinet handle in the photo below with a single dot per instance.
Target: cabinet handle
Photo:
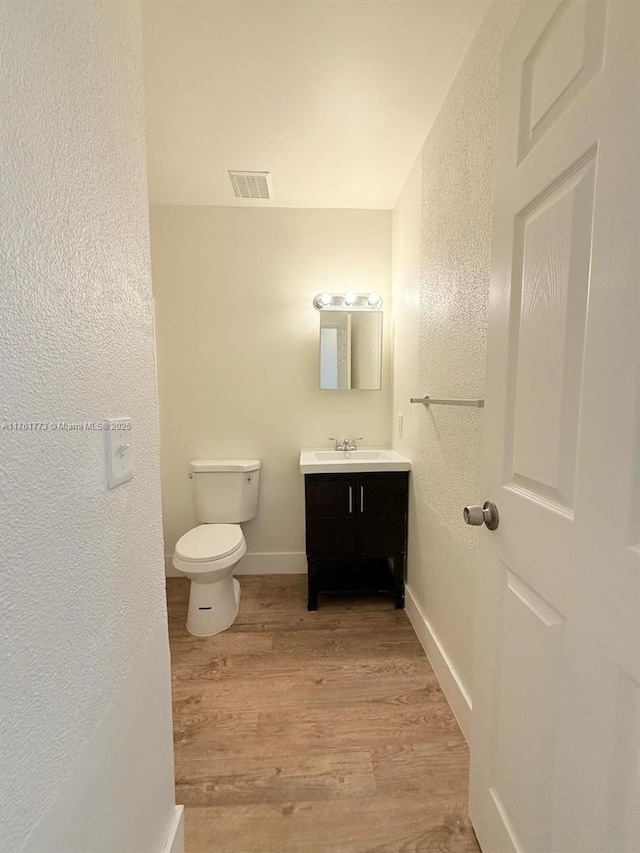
(361, 498)
(350, 500)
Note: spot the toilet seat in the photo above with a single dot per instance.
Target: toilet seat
(207, 543)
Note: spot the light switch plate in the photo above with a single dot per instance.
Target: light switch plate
(119, 451)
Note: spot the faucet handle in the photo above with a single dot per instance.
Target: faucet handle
(352, 442)
(339, 442)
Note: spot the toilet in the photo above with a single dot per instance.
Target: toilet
(226, 493)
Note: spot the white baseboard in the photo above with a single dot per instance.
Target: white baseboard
(285, 563)
(169, 571)
(452, 686)
(175, 839)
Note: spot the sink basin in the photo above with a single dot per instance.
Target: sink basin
(344, 461)
(330, 455)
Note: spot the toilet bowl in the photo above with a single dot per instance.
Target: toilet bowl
(225, 492)
(207, 555)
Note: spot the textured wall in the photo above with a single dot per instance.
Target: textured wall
(81, 567)
(238, 350)
(441, 334)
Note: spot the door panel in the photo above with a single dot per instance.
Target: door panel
(624, 787)
(328, 498)
(562, 62)
(385, 495)
(530, 653)
(549, 294)
(555, 753)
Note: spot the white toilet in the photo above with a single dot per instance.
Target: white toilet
(226, 493)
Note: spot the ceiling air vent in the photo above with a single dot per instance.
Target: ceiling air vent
(252, 184)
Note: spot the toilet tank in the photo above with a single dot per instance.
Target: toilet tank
(225, 490)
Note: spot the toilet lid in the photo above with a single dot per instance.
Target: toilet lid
(209, 542)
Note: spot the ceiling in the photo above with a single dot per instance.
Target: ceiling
(333, 97)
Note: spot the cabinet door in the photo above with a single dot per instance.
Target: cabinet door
(381, 494)
(328, 497)
(381, 517)
(330, 515)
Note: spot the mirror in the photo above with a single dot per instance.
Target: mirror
(350, 350)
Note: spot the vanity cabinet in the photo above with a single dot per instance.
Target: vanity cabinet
(356, 533)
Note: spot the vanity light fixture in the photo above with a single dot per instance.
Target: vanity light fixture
(349, 301)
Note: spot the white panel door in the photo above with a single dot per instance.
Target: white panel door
(555, 763)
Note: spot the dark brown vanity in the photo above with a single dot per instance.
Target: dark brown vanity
(356, 533)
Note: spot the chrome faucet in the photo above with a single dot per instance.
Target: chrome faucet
(341, 443)
(345, 444)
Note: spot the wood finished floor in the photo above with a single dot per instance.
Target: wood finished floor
(322, 732)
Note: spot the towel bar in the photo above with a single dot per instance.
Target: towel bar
(431, 401)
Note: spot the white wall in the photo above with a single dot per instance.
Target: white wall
(238, 352)
(86, 718)
(441, 248)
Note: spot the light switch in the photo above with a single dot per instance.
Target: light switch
(119, 451)
(400, 421)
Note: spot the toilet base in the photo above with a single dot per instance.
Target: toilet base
(213, 607)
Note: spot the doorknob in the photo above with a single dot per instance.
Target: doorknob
(485, 514)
